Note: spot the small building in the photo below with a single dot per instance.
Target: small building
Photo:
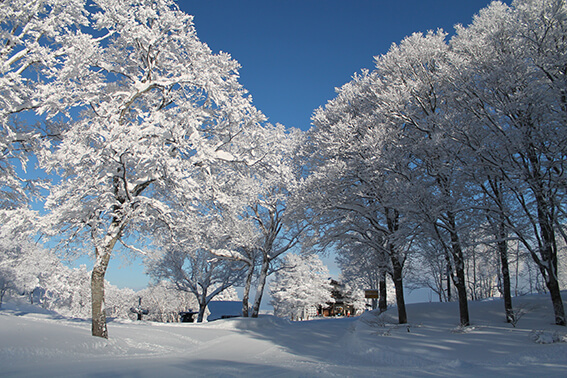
(339, 307)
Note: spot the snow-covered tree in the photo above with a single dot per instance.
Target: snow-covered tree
(155, 104)
(428, 268)
(227, 193)
(416, 96)
(470, 136)
(301, 282)
(355, 296)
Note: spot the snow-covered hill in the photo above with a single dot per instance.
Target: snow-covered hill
(34, 342)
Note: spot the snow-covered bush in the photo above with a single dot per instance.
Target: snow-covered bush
(547, 337)
(164, 302)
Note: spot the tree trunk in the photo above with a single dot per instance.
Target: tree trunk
(97, 280)
(459, 278)
(460, 284)
(517, 271)
(506, 287)
(392, 218)
(449, 278)
(398, 285)
(474, 295)
(2, 292)
(462, 293)
(383, 302)
(502, 246)
(246, 294)
(261, 285)
(441, 290)
(202, 307)
(201, 314)
(548, 265)
(97, 299)
(555, 293)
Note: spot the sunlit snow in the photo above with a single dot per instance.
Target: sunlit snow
(34, 342)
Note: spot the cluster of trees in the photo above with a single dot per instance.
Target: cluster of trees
(30, 272)
(34, 274)
(449, 147)
(144, 139)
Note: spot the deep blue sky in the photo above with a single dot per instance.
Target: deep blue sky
(295, 52)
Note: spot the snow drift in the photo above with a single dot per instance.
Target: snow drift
(35, 342)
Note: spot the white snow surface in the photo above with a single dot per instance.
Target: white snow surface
(38, 343)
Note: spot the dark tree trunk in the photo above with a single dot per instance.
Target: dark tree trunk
(555, 293)
(502, 246)
(463, 301)
(545, 210)
(383, 301)
(202, 299)
(459, 278)
(506, 287)
(449, 278)
(392, 219)
(549, 264)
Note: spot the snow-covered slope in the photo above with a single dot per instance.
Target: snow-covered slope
(34, 342)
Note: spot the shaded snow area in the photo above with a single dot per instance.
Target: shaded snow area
(34, 342)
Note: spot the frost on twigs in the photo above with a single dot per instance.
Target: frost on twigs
(518, 313)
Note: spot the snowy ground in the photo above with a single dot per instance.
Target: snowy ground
(34, 342)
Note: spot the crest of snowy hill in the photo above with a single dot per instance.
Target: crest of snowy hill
(263, 322)
(35, 342)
